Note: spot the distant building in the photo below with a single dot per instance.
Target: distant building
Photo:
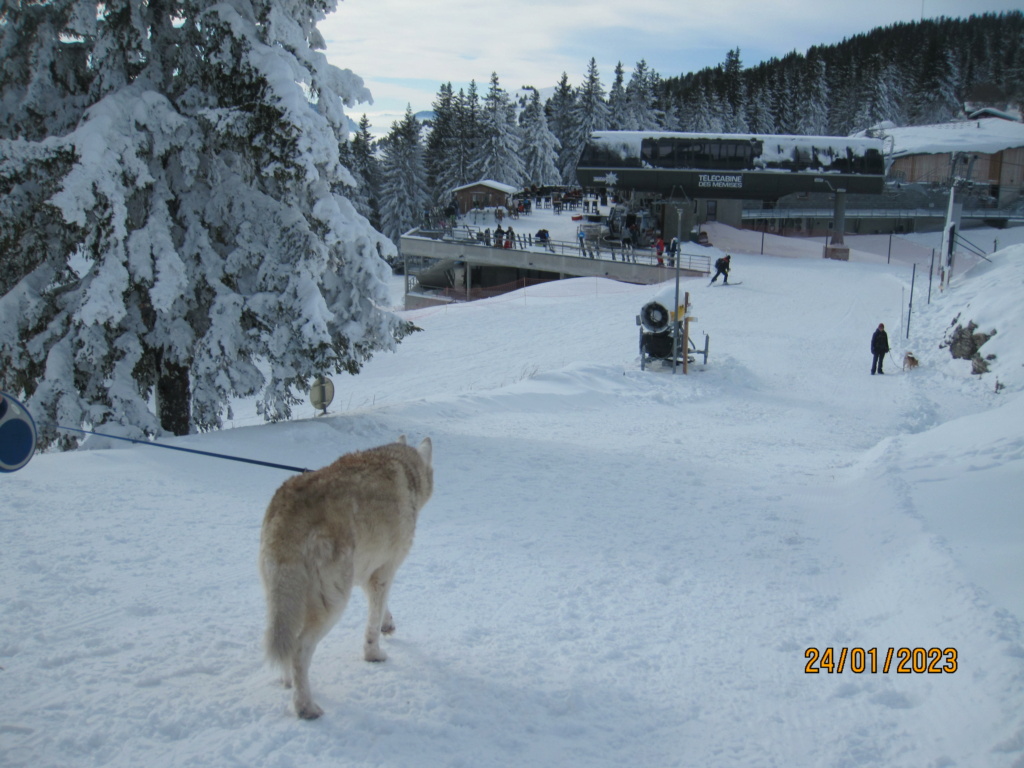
(921, 162)
(483, 194)
(987, 150)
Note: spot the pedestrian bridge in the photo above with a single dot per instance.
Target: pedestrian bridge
(559, 258)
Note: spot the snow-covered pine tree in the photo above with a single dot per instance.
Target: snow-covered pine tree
(442, 146)
(1013, 82)
(760, 115)
(361, 159)
(705, 115)
(641, 96)
(733, 94)
(787, 110)
(404, 187)
(814, 100)
(674, 113)
(560, 112)
(500, 156)
(877, 100)
(45, 79)
(195, 246)
(935, 97)
(540, 147)
(891, 94)
(589, 114)
(454, 135)
(469, 136)
(620, 116)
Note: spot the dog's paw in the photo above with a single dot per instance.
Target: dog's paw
(388, 627)
(374, 653)
(308, 711)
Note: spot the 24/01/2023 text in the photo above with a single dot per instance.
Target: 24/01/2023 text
(903, 661)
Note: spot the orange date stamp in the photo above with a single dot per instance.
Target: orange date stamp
(903, 661)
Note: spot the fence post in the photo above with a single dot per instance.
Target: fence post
(910, 305)
(931, 268)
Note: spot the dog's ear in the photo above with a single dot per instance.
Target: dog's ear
(426, 450)
(401, 440)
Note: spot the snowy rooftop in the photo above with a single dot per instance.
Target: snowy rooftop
(988, 135)
(506, 188)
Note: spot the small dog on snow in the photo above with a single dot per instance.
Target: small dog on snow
(349, 523)
(909, 361)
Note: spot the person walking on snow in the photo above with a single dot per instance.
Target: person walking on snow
(722, 267)
(879, 348)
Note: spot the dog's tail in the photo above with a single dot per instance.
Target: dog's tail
(287, 585)
(302, 596)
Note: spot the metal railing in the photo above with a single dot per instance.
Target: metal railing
(604, 249)
(777, 214)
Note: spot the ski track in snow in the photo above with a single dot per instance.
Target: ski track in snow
(617, 568)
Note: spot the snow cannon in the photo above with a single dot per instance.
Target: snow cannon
(655, 321)
(655, 317)
(664, 331)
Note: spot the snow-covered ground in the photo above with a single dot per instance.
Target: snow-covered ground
(617, 568)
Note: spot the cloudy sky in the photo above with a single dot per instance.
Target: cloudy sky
(405, 49)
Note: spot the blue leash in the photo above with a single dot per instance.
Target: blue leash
(18, 439)
(189, 450)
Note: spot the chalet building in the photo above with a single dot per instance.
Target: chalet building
(483, 194)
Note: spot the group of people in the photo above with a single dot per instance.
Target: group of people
(671, 251)
(503, 238)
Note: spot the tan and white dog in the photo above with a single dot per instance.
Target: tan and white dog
(910, 361)
(348, 523)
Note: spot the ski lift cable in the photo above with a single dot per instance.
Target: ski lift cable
(961, 240)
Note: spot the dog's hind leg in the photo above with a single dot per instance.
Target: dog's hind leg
(305, 707)
(329, 593)
(387, 627)
(379, 618)
(319, 621)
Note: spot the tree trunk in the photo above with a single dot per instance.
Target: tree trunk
(174, 397)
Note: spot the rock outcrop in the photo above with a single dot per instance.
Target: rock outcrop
(965, 343)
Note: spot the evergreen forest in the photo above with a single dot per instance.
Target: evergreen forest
(919, 73)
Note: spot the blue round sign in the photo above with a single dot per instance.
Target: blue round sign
(17, 434)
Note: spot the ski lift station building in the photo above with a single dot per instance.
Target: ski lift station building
(893, 179)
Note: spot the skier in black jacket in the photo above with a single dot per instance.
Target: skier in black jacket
(879, 347)
(722, 267)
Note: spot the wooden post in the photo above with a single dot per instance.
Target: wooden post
(686, 344)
